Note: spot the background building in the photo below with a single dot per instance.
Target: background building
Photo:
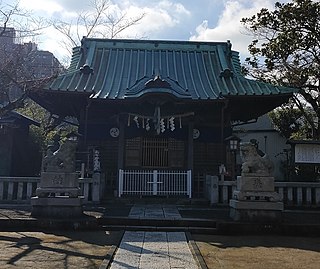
(19, 63)
(37, 63)
(269, 141)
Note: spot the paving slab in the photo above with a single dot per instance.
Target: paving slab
(147, 250)
(154, 211)
(154, 249)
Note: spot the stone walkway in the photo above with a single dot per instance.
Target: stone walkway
(155, 211)
(147, 250)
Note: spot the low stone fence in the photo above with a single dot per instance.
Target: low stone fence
(21, 189)
(90, 189)
(296, 194)
(299, 193)
(17, 189)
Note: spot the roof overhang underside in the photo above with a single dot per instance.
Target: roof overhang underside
(119, 72)
(241, 108)
(245, 108)
(60, 102)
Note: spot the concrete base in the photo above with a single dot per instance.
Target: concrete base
(256, 211)
(57, 207)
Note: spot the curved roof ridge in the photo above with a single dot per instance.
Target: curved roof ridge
(202, 69)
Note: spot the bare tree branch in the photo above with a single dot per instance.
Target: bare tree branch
(101, 20)
(16, 73)
(27, 25)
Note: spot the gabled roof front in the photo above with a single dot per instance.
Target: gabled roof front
(14, 117)
(123, 69)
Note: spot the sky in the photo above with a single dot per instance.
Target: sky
(202, 20)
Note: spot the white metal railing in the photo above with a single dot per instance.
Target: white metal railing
(305, 194)
(154, 182)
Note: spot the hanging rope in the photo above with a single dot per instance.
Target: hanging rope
(158, 120)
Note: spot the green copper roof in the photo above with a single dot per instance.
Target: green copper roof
(122, 69)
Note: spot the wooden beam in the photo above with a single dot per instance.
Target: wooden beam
(121, 144)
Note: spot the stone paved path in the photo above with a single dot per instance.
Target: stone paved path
(155, 211)
(147, 250)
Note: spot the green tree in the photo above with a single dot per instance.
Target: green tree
(43, 135)
(289, 122)
(286, 51)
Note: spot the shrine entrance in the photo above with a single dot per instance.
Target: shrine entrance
(155, 153)
(155, 166)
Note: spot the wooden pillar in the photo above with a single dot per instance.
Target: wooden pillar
(86, 122)
(190, 145)
(190, 153)
(121, 148)
(222, 125)
(121, 145)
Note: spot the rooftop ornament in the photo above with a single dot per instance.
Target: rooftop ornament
(157, 82)
(86, 69)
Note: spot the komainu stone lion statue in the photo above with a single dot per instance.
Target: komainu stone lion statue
(253, 164)
(62, 160)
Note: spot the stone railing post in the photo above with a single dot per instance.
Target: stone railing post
(213, 189)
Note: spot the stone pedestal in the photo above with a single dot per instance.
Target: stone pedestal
(255, 188)
(57, 196)
(255, 200)
(253, 211)
(57, 207)
(58, 191)
(57, 183)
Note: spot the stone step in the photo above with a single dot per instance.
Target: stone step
(156, 200)
(43, 224)
(158, 222)
(198, 230)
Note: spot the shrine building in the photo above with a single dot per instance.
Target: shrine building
(158, 113)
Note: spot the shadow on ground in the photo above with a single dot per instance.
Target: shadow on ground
(56, 250)
(263, 252)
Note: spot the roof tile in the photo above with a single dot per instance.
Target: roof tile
(120, 69)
